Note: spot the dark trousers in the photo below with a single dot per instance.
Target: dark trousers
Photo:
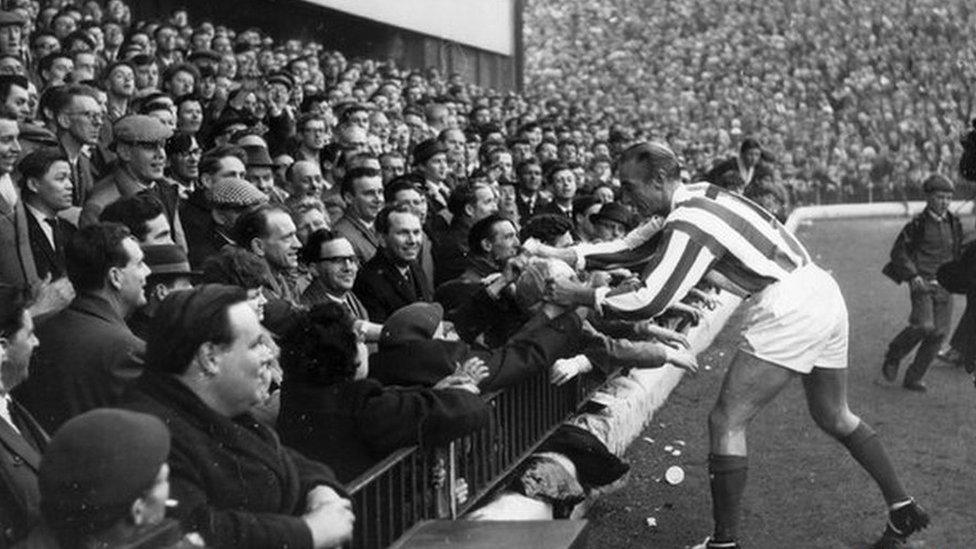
(928, 325)
(964, 338)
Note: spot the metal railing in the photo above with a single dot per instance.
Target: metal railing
(416, 484)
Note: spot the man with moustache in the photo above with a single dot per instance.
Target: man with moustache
(88, 354)
(140, 142)
(393, 278)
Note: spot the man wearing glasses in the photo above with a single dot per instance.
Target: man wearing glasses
(333, 262)
(140, 143)
(78, 123)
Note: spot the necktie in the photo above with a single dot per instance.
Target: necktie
(55, 232)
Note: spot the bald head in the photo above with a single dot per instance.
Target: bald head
(305, 178)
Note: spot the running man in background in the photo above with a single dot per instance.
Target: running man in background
(795, 323)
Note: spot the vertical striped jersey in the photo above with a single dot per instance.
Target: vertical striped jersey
(709, 231)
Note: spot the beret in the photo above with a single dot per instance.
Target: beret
(236, 193)
(8, 18)
(97, 464)
(137, 128)
(415, 322)
(425, 150)
(937, 183)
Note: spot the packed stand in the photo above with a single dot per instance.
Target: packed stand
(855, 101)
(297, 262)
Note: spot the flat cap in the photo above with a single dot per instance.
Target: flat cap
(97, 464)
(140, 128)
(235, 193)
(425, 150)
(8, 18)
(282, 78)
(938, 183)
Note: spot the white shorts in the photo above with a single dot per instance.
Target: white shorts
(799, 323)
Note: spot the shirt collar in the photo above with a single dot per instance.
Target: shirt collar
(38, 214)
(939, 218)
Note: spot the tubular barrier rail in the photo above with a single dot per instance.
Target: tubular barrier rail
(415, 484)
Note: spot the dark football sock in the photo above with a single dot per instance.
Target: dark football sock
(727, 475)
(866, 448)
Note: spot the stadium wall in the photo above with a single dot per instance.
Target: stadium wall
(360, 36)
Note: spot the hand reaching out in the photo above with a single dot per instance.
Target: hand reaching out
(681, 358)
(648, 328)
(474, 368)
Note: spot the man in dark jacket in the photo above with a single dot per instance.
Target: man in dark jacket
(87, 352)
(45, 188)
(394, 278)
(408, 358)
(749, 165)
(209, 363)
(528, 200)
(22, 440)
(468, 204)
(930, 239)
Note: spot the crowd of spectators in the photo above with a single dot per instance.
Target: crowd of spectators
(853, 100)
(296, 261)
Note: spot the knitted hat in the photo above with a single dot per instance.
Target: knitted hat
(97, 464)
(233, 192)
(414, 322)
